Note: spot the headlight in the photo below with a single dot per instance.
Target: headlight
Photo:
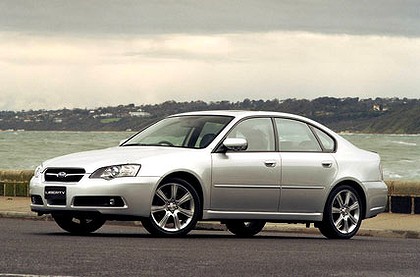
(116, 171)
(38, 171)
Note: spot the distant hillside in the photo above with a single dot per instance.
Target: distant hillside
(380, 115)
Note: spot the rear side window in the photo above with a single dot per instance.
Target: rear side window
(296, 136)
(327, 142)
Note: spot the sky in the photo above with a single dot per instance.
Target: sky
(93, 53)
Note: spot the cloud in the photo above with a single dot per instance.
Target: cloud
(60, 53)
(70, 71)
(143, 17)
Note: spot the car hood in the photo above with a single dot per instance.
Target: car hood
(92, 160)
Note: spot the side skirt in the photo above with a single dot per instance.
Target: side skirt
(267, 216)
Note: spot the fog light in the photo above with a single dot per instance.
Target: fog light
(36, 200)
(112, 202)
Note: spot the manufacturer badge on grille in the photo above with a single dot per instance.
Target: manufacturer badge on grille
(61, 174)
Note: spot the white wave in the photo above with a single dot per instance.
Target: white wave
(405, 143)
(404, 135)
(391, 175)
(407, 161)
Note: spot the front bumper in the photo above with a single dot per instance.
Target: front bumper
(134, 192)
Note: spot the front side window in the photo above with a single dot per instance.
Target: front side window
(258, 132)
(181, 131)
(296, 136)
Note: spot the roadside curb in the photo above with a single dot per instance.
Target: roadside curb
(214, 226)
(400, 234)
(24, 215)
(314, 231)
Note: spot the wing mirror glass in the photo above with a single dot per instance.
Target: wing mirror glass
(235, 144)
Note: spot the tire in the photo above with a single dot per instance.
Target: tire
(245, 228)
(79, 225)
(342, 214)
(175, 209)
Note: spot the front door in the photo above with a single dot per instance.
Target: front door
(248, 180)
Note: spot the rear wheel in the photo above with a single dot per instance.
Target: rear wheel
(245, 228)
(343, 213)
(175, 209)
(80, 224)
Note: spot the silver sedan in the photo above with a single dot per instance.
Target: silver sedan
(240, 168)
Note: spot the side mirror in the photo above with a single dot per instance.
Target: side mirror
(235, 144)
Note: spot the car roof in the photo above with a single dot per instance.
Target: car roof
(243, 113)
(239, 114)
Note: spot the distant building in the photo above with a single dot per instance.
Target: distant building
(139, 113)
(379, 108)
(106, 115)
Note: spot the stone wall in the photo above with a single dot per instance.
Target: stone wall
(404, 196)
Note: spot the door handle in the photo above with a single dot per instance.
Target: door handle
(270, 163)
(327, 164)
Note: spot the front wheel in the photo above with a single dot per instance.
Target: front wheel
(175, 209)
(245, 228)
(342, 214)
(80, 225)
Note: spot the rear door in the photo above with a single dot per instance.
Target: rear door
(308, 166)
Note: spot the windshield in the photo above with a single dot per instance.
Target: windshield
(181, 131)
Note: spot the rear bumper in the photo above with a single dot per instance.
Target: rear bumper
(377, 197)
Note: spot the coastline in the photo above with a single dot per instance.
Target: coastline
(403, 195)
(400, 154)
(344, 133)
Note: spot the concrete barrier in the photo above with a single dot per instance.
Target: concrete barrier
(403, 196)
(15, 182)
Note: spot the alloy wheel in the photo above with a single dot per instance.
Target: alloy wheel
(345, 211)
(173, 207)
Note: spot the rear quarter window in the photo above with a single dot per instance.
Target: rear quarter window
(327, 142)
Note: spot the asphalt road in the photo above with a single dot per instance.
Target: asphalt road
(40, 248)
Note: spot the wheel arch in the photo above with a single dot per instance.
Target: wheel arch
(359, 189)
(190, 178)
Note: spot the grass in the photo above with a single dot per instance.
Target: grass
(110, 120)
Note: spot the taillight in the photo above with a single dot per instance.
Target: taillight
(381, 170)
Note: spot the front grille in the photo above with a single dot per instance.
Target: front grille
(65, 175)
(98, 201)
(56, 202)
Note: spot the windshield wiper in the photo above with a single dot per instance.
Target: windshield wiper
(136, 144)
(145, 144)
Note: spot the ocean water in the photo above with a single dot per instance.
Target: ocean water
(400, 154)
(26, 150)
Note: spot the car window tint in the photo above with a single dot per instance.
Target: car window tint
(181, 131)
(296, 136)
(258, 132)
(327, 142)
(208, 133)
(173, 134)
